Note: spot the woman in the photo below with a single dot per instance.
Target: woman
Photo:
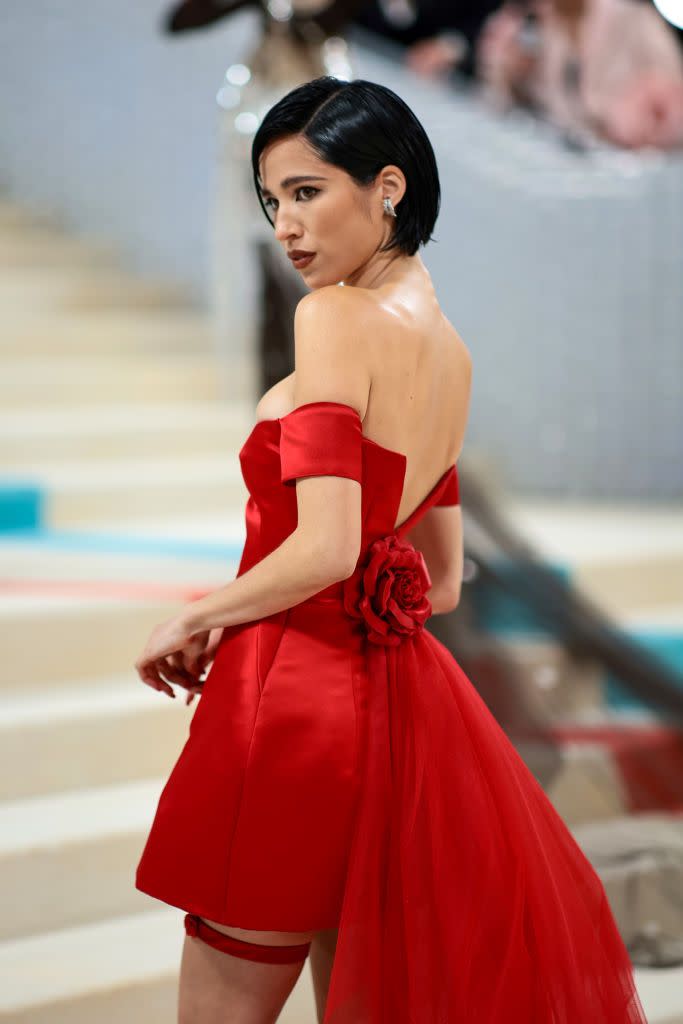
(344, 791)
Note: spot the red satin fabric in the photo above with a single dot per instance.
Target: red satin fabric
(332, 781)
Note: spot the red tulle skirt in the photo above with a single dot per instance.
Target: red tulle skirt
(467, 899)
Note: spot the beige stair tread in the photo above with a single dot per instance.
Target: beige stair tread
(150, 328)
(74, 815)
(42, 280)
(70, 736)
(17, 216)
(600, 531)
(72, 962)
(666, 618)
(123, 417)
(37, 248)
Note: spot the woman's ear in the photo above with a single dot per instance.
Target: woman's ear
(392, 183)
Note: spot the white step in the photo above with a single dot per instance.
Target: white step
(34, 434)
(62, 380)
(94, 604)
(625, 557)
(127, 968)
(83, 492)
(32, 289)
(50, 638)
(101, 732)
(49, 248)
(18, 219)
(120, 969)
(110, 330)
(70, 857)
(661, 993)
(171, 553)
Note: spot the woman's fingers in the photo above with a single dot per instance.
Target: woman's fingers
(190, 656)
(173, 669)
(149, 674)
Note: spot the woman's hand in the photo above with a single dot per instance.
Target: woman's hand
(197, 656)
(173, 654)
(167, 639)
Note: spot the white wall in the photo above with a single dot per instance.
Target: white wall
(109, 122)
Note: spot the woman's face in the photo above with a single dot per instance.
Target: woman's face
(324, 211)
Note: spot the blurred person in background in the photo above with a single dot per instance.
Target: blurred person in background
(611, 68)
(440, 36)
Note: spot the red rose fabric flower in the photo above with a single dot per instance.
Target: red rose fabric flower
(387, 590)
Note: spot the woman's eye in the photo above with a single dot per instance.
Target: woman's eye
(271, 202)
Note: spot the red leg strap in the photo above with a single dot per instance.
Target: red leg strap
(196, 926)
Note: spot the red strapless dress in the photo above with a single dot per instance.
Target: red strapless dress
(342, 771)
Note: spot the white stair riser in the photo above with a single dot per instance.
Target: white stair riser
(221, 440)
(153, 1001)
(127, 379)
(72, 883)
(80, 507)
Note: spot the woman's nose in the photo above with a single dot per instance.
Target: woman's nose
(285, 227)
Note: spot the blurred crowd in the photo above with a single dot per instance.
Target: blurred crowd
(608, 69)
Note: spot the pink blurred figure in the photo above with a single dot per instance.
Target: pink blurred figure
(609, 66)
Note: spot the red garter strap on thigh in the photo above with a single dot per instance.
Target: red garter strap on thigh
(197, 927)
(466, 898)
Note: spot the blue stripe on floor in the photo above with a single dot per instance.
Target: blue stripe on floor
(21, 505)
(111, 543)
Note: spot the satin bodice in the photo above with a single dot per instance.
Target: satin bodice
(321, 438)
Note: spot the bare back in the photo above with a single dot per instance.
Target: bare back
(420, 374)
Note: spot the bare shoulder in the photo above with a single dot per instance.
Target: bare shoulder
(329, 354)
(325, 306)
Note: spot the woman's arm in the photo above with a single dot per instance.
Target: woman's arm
(324, 546)
(439, 536)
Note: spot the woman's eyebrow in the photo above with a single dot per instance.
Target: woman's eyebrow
(295, 179)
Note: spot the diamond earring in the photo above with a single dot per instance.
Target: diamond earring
(389, 206)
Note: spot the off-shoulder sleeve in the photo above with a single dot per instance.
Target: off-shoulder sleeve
(451, 492)
(321, 439)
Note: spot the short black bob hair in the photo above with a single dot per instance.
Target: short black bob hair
(361, 127)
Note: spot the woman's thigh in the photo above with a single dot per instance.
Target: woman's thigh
(215, 986)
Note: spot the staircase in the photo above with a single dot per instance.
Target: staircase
(120, 496)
